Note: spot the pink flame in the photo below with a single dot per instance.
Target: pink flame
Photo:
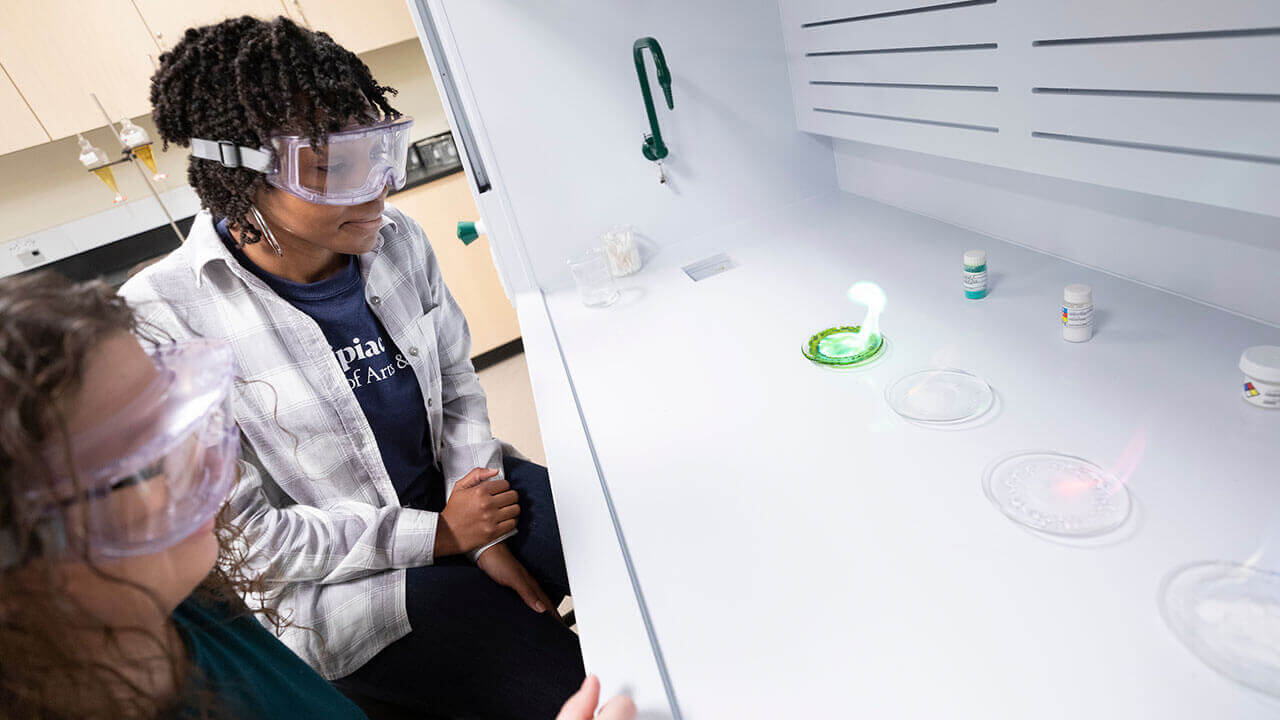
(1130, 458)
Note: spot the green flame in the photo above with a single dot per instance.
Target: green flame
(869, 294)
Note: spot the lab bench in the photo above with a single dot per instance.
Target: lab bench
(796, 546)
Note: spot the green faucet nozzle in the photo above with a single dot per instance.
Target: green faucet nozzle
(469, 231)
(653, 149)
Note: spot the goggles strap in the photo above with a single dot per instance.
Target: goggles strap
(266, 231)
(232, 155)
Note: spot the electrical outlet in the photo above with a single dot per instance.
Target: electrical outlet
(713, 265)
(22, 245)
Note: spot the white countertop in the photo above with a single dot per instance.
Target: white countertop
(101, 228)
(804, 552)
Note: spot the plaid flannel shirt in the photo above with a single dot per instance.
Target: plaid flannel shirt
(321, 519)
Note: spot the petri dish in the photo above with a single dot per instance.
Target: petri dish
(1228, 615)
(1057, 494)
(843, 346)
(940, 396)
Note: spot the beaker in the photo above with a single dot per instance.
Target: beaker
(595, 282)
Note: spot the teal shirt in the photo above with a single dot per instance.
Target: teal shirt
(251, 671)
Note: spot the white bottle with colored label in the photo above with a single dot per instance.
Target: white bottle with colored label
(1077, 313)
(1261, 367)
(975, 274)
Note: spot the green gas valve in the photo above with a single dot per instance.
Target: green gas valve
(469, 231)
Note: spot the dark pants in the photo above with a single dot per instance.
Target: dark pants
(476, 650)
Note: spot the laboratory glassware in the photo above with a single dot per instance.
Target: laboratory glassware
(941, 396)
(595, 282)
(1057, 494)
(1228, 615)
(843, 347)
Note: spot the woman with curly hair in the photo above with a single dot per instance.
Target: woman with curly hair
(376, 505)
(120, 582)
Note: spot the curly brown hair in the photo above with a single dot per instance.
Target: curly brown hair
(244, 80)
(48, 327)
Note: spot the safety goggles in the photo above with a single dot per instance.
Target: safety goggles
(158, 469)
(350, 167)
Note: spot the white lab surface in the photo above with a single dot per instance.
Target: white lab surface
(751, 536)
(803, 549)
(101, 228)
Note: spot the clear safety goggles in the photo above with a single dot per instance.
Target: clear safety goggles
(350, 167)
(159, 468)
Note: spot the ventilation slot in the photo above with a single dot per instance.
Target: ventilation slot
(1198, 152)
(907, 86)
(1169, 94)
(898, 13)
(917, 121)
(1162, 37)
(921, 49)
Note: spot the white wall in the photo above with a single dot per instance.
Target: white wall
(1228, 258)
(1169, 97)
(555, 92)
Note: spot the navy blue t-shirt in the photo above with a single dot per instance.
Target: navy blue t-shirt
(383, 381)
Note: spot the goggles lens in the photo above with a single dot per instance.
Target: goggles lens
(174, 460)
(351, 167)
(168, 498)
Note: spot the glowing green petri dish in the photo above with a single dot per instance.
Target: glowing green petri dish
(843, 347)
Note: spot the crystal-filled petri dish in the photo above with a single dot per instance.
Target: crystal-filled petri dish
(1057, 494)
(940, 396)
(1228, 615)
(843, 346)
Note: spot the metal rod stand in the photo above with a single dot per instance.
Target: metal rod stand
(134, 161)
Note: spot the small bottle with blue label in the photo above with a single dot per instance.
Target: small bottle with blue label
(975, 274)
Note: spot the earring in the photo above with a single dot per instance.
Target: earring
(266, 231)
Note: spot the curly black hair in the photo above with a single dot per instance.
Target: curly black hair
(243, 80)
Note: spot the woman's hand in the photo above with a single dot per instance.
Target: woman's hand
(582, 706)
(478, 512)
(503, 568)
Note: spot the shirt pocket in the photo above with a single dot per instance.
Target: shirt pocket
(419, 348)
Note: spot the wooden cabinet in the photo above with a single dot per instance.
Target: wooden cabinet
(357, 26)
(59, 51)
(467, 269)
(18, 125)
(167, 20)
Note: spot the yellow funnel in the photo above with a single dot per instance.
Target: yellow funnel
(148, 158)
(105, 175)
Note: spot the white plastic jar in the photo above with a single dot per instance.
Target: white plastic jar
(619, 243)
(1261, 367)
(1077, 313)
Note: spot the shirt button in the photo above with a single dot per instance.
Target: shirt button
(375, 300)
(413, 351)
(430, 402)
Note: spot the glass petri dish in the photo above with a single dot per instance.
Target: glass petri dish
(843, 346)
(1057, 494)
(940, 396)
(1228, 615)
